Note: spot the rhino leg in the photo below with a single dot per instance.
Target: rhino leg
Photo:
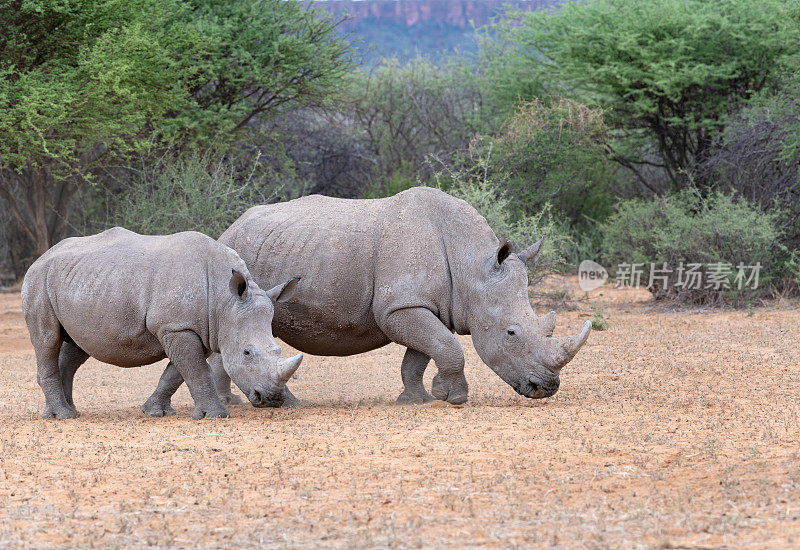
(160, 403)
(185, 350)
(47, 336)
(419, 329)
(412, 371)
(70, 358)
(222, 381)
(49, 378)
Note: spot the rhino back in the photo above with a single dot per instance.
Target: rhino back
(114, 292)
(328, 242)
(359, 259)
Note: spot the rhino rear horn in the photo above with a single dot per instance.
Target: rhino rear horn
(281, 293)
(531, 254)
(548, 323)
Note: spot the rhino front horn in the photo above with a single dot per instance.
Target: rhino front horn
(567, 347)
(288, 367)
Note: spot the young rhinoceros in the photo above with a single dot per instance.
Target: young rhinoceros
(130, 300)
(411, 269)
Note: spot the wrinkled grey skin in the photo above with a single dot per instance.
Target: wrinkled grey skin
(130, 300)
(411, 269)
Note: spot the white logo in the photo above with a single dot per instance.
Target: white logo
(591, 275)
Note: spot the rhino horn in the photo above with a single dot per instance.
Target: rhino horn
(530, 254)
(565, 348)
(288, 367)
(283, 292)
(548, 323)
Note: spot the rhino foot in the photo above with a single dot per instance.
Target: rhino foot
(61, 412)
(417, 397)
(200, 413)
(452, 389)
(157, 409)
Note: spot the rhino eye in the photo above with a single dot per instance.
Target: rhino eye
(247, 352)
(511, 332)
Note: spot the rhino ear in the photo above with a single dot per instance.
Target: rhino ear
(283, 292)
(531, 254)
(238, 285)
(502, 252)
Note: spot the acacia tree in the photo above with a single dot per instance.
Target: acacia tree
(256, 57)
(667, 71)
(409, 111)
(77, 79)
(84, 80)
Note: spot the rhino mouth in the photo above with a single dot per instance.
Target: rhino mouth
(274, 404)
(534, 389)
(261, 400)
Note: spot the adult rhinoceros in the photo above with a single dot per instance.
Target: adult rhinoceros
(411, 269)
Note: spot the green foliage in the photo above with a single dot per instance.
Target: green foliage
(78, 81)
(192, 193)
(487, 197)
(252, 58)
(668, 71)
(408, 111)
(789, 266)
(758, 157)
(405, 177)
(585, 244)
(85, 82)
(99, 77)
(686, 228)
(554, 152)
(598, 319)
(792, 265)
(506, 75)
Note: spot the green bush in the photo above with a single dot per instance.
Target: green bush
(187, 193)
(407, 111)
(669, 72)
(554, 152)
(84, 83)
(487, 197)
(585, 244)
(758, 157)
(405, 177)
(685, 228)
(599, 321)
(789, 267)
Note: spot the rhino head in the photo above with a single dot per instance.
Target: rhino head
(249, 352)
(507, 334)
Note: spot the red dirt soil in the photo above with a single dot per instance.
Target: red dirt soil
(671, 429)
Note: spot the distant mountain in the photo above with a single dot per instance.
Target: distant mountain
(404, 28)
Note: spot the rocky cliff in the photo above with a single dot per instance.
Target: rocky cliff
(457, 13)
(404, 28)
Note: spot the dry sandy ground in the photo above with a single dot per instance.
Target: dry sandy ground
(670, 430)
